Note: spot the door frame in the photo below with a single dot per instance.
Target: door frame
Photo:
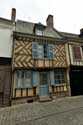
(40, 83)
(73, 71)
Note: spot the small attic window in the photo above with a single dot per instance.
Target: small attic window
(39, 32)
(38, 29)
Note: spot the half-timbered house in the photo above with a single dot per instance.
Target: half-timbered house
(39, 62)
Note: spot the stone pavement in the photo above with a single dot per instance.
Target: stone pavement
(66, 111)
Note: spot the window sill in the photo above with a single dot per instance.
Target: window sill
(60, 84)
(25, 88)
(77, 60)
(42, 58)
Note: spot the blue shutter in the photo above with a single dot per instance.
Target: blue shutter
(27, 81)
(52, 78)
(22, 78)
(34, 50)
(40, 51)
(18, 79)
(36, 79)
(50, 51)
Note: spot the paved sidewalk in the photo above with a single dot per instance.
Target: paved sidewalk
(66, 111)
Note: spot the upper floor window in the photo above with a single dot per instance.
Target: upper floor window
(77, 52)
(39, 32)
(42, 51)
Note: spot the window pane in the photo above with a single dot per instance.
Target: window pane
(34, 45)
(44, 78)
(40, 51)
(77, 52)
(39, 32)
(60, 77)
(23, 79)
(19, 79)
(35, 54)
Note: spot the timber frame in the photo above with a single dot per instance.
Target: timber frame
(41, 65)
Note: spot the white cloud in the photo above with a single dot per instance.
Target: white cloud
(68, 14)
(5, 8)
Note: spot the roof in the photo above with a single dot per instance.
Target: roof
(28, 27)
(24, 27)
(69, 35)
(7, 21)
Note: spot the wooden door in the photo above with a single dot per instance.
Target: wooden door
(5, 85)
(43, 84)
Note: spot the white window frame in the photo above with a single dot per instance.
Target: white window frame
(58, 74)
(39, 32)
(22, 81)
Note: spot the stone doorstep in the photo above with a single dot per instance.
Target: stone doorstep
(44, 98)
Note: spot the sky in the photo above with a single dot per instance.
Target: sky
(68, 14)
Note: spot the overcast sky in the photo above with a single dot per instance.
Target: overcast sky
(68, 14)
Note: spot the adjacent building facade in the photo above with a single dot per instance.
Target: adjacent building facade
(75, 52)
(6, 44)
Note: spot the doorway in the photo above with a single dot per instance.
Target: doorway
(76, 82)
(44, 84)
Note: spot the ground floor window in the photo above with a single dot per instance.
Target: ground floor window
(29, 79)
(60, 76)
(23, 79)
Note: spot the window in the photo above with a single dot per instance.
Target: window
(60, 77)
(77, 52)
(39, 32)
(42, 51)
(43, 78)
(19, 79)
(23, 79)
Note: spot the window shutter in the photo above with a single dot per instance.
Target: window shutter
(35, 79)
(22, 79)
(77, 52)
(27, 81)
(40, 51)
(52, 78)
(50, 50)
(18, 79)
(34, 50)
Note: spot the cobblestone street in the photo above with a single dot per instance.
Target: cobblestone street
(66, 111)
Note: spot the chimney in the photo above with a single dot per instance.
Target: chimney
(81, 32)
(49, 21)
(13, 14)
